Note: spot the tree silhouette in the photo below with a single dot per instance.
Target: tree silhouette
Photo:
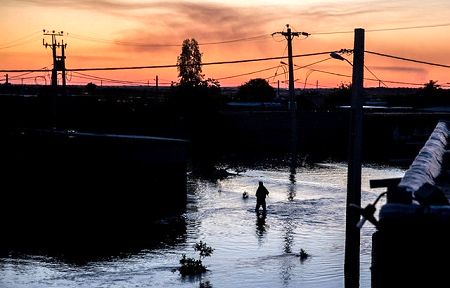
(190, 64)
(257, 89)
(431, 86)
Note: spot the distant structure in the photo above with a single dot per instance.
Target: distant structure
(59, 62)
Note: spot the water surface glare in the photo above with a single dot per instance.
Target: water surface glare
(306, 210)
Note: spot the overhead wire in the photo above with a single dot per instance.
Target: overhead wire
(248, 73)
(407, 59)
(19, 41)
(279, 65)
(384, 29)
(92, 77)
(123, 82)
(203, 64)
(304, 66)
(379, 80)
(27, 73)
(369, 79)
(126, 43)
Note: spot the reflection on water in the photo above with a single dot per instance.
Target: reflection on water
(260, 226)
(305, 210)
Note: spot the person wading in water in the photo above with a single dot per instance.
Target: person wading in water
(261, 194)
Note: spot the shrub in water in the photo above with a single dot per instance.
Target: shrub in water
(192, 266)
(303, 255)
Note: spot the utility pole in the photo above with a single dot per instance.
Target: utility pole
(59, 62)
(7, 79)
(157, 84)
(289, 35)
(278, 89)
(62, 61)
(352, 232)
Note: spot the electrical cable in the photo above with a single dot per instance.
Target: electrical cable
(125, 43)
(27, 73)
(407, 59)
(248, 73)
(175, 65)
(384, 29)
(379, 80)
(19, 41)
(284, 53)
(92, 77)
(369, 79)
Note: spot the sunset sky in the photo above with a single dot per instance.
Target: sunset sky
(118, 33)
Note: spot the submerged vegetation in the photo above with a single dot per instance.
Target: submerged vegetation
(303, 255)
(192, 266)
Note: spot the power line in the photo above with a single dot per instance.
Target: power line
(369, 79)
(249, 73)
(166, 66)
(408, 27)
(314, 63)
(301, 67)
(203, 64)
(27, 73)
(24, 70)
(407, 59)
(331, 73)
(92, 77)
(367, 68)
(265, 36)
(125, 43)
(384, 29)
(279, 65)
(20, 41)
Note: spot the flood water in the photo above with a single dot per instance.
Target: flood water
(306, 210)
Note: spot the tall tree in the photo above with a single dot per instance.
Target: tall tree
(190, 64)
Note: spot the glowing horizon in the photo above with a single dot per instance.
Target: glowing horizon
(121, 33)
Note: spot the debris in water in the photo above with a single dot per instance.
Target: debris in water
(303, 255)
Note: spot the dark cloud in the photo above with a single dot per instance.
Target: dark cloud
(348, 10)
(209, 22)
(206, 22)
(98, 5)
(417, 70)
(169, 22)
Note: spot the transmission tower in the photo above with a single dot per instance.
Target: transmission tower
(59, 61)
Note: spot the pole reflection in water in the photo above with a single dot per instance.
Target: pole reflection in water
(292, 172)
(289, 227)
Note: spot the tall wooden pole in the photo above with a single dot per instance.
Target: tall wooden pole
(63, 64)
(55, 65)
(352, 233)
(292, 103)
(289, 36)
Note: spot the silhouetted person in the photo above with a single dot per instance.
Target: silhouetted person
(261, 194)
